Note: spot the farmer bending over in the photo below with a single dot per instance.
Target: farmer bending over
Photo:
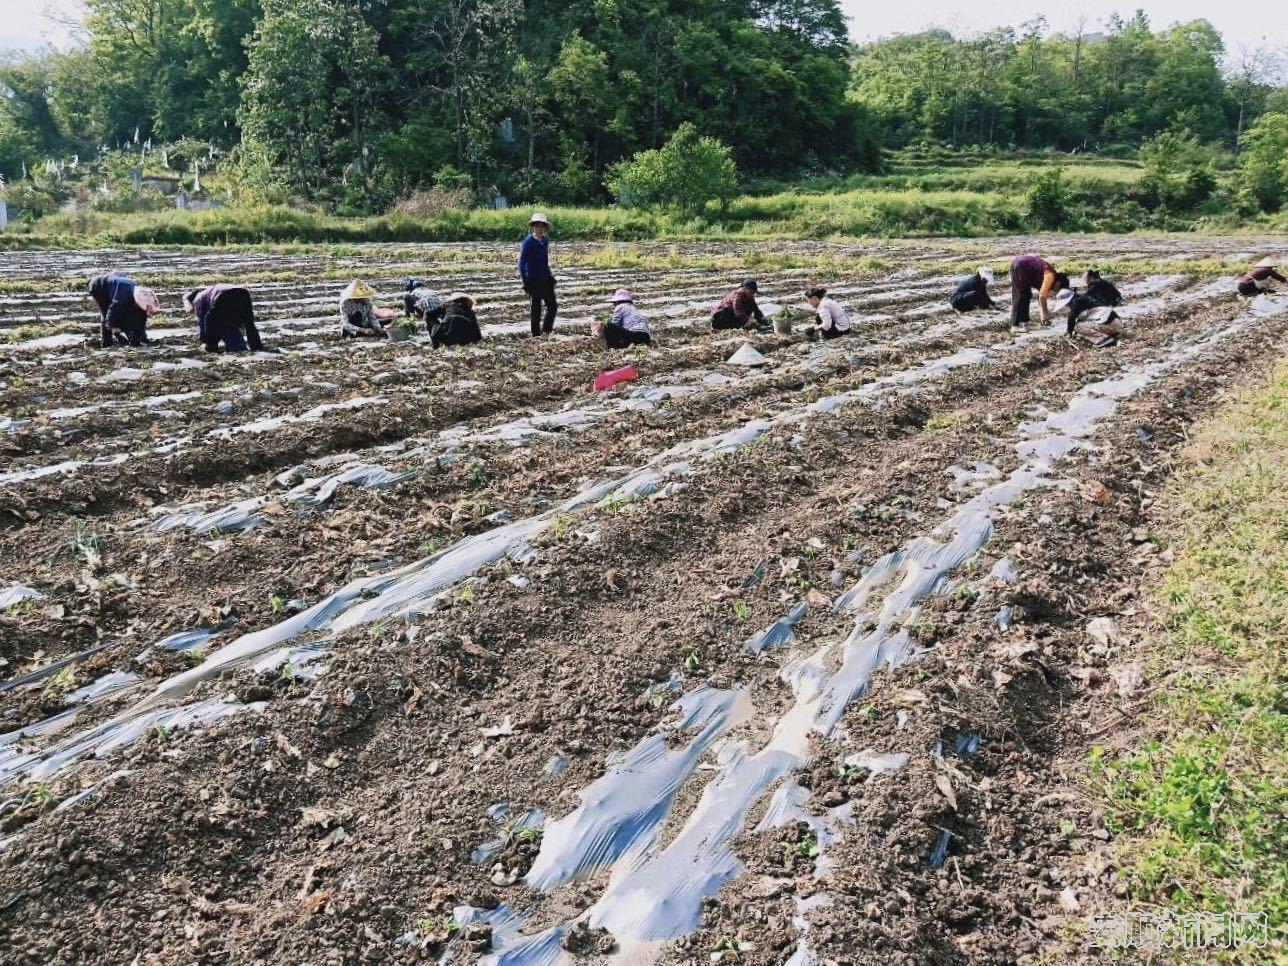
(224, 314)
(1099, 293)
(422, 302)
(534, 270)
(124, 306)
(359, 317)
(458, 324)
(628, 326)
(1029, 272)
(1262, 272)
(738, 308)
(830, 319)
(971, 292)
(1099, 325)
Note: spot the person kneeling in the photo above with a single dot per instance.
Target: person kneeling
(459, 325)
(1099, 325)
(359, 317)
(738, 308)
(628, 326)
(831, 322)
(224, 314)
(124, 306)
(971, 292)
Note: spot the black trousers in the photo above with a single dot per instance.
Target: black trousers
(619, 338)
(231, 320)
(542, 291)
(1021, 299)
(1249, 289)
(725, 319)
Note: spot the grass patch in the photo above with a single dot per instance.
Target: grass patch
(1202, 805)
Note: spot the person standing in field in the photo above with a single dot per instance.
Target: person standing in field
(1029, 272)
(224, 314)
(971, 292)
(738, 308)
(534, 271)
(124, 306)
(831, 321)
(1254, 282)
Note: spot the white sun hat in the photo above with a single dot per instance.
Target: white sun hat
(986, 274)
(539, 218)
(1267, 263)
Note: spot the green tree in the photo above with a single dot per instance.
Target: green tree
(1265, 161)
(686, 173)
(309, 93)
(1047, 200)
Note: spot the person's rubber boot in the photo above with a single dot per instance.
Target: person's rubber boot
(1108, 342)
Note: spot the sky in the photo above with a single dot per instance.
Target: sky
(26, 24)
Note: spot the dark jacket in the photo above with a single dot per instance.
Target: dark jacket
(459, 326)
(114, 296)
(534, 258)
(972, 292)
(1098, 294)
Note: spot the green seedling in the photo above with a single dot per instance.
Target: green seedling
(86, 546)
(967, 593)
(289, 674)
(162, 733)
(741, 610)
(195, 656)
(692, 659)
(562, 525)
(467, 594)
(429, 546)
(42, 795)
(806, 848)
(276, 604)
(656, 700)
(62, 682)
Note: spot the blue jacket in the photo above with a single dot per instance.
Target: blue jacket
(534, 258)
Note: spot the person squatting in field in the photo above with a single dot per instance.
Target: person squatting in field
(124, 306)
(830, 319)
(224, 314)
(1091, 312)
(1254, 282)
(422, 302)
(534, 272)
(628, 325)
(738, 308)
(359, 317)
(458, 325)
(1029, 272)
(971, 292)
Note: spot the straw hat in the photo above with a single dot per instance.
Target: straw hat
(986, 274)
(622, 295)
(146, 299)
(459, 297)
(539, 218)
(1267, 263)
(357, 289)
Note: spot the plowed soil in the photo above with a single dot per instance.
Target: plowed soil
(507, 703)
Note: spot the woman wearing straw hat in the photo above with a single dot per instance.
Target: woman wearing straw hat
(1264, 271)
(359, 317)
(124, 306)
(971, 292)
(534, 270)
(628, 326)
(459, 325)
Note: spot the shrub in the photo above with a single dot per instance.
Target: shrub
(1047, 200)
(686, 173)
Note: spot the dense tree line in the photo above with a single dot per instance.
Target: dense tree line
(1083, 90)
(536, 97)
